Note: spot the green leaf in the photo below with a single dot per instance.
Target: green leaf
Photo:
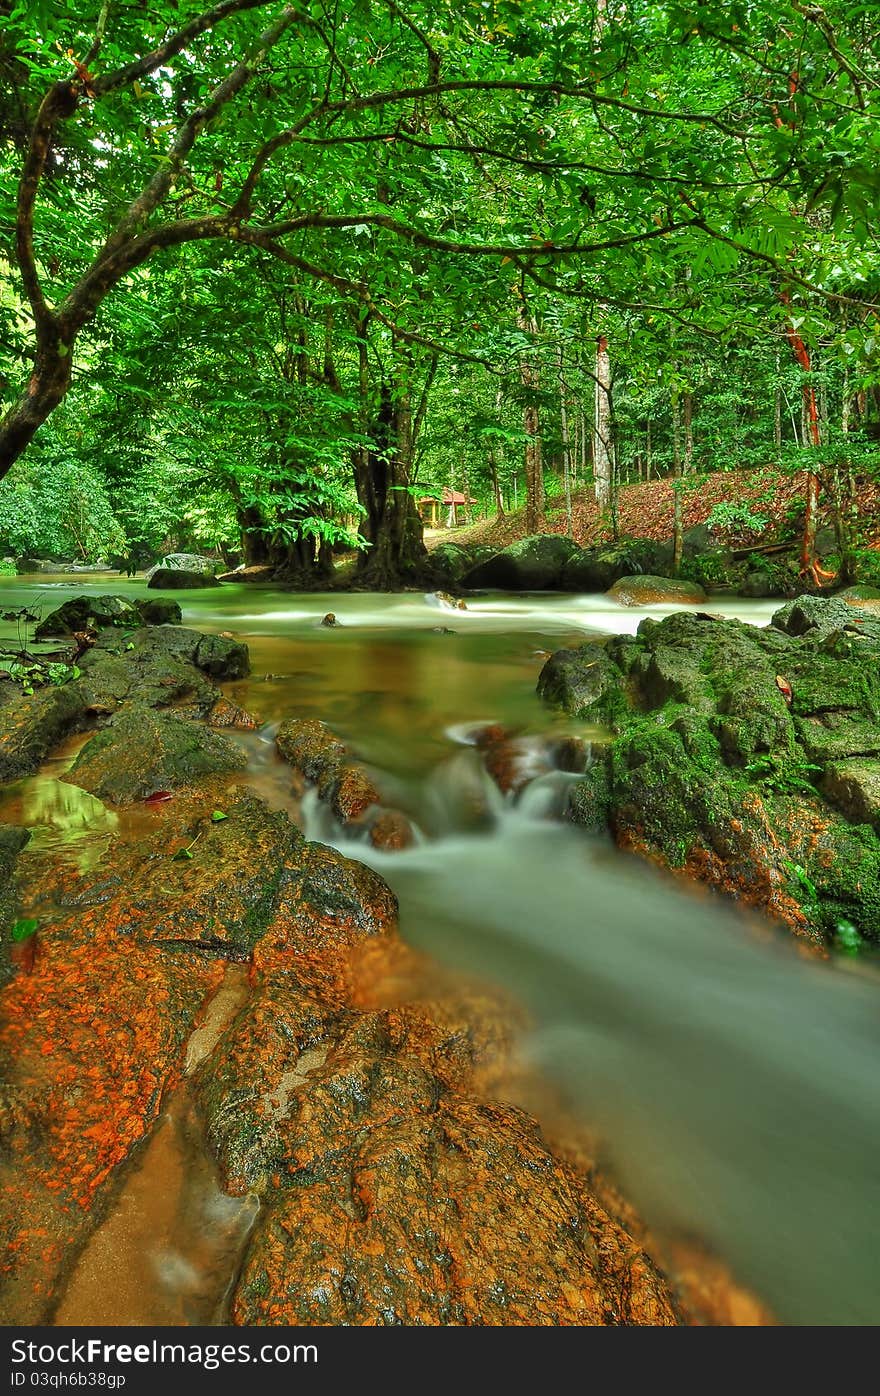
(23, 929)
(218, 816)
(181, 856)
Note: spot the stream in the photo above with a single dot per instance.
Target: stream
(731, 1078)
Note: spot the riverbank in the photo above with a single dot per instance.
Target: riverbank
(610, 966)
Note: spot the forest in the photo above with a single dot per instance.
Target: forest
(439, 662)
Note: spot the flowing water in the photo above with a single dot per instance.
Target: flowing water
(732, 1079)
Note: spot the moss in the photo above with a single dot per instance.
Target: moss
(724, 736)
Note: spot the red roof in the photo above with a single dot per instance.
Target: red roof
(449, 497)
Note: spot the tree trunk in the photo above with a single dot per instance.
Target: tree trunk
(566, 443)
(687, 409)
(534, 465)
(677, 528)
(391, 525)
(255, 549)
(809, 564)
(602, 450)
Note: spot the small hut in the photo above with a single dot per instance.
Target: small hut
(431, 507)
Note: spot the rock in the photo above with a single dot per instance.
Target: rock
(392, 831)
(393, 1191)
(442, 630)
(648, 590)
(343, 784)
(31, 727)
(597, 569)
(760, 583)
(12, 840)
(140, 752)
(445, 601)
(864, 597)
(448, 563)
(581, 681)
(89, 613)
(813, 613)
(162, 611)
(725, 739)
(329, 620)
(187, 562)
(530, 564)
(402, 1209)
(854, 788)
(177, 579)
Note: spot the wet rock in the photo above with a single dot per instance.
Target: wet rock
(323, 760)
(404, 1205)
(32, 726)
(227, 714)
(178, 579)
(446, 601)
(530, 564)
(141, 751)
(89, 613)
(12, 840)
(649, 590)
(726, 738)
(392, 831)
(161, 611)
(854, 788)
(442, 630)
(329, 620)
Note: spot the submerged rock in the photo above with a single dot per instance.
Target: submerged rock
(744, 757)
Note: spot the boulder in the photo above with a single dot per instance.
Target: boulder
(530, 564)
(179, 579)
(854, 788)
(89, 613)
(187, 562)
(744, 757)
(32, 726)
(647, 590)
(162, 611)
(864, 597)
(447, 564)
(141, 752)
(597, 569)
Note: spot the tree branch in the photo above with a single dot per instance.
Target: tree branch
(158, 57)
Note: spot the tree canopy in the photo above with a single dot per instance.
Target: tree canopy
(261, 251)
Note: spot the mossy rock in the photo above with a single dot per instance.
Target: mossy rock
(88, 613)
(530, 564)
(597, 569)
(160, 611)
(141, 752)
(748, 757)
(647, 589)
